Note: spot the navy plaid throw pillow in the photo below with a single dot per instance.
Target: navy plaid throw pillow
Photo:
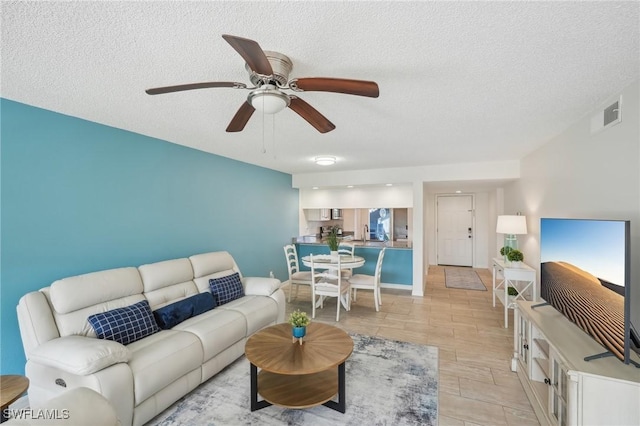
(125, 325)
(227, 288)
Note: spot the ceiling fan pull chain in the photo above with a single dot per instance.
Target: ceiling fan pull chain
(264, 149)
(273, 136)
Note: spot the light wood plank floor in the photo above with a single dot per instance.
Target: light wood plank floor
(476, 384)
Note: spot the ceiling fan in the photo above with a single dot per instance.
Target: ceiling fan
(269, 73)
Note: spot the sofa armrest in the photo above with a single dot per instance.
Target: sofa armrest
(80, 355)
(260, 286)
(78, 406)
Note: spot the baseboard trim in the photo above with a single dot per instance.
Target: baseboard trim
(406, 287)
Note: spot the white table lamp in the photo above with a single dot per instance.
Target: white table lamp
(510, 226)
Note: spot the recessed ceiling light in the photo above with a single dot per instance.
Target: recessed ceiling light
(325, 161)
(389, 184)
(458, 192)
(315, 187)
(349, 186)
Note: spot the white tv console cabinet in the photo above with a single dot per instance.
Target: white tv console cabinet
(564, 389)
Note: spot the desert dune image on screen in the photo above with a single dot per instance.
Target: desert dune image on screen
(582, 268)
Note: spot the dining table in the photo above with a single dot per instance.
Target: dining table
(330, 262)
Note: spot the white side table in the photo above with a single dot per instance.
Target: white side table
(522, 278)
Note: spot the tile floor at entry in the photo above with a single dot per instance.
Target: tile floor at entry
(477, 386)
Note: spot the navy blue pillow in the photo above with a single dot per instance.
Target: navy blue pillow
(125, 325)
(227, 288)
(171, 315)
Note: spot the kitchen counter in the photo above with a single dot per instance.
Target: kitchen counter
(315, 240)
(397, 268)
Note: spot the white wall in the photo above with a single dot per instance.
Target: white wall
(580, 175)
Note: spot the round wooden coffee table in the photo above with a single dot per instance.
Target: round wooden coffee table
(298, 376)
(11, 388)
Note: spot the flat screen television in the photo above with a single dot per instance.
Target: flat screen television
(585, 274)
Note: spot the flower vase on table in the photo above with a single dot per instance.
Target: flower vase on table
(332, 242)
(299, 322)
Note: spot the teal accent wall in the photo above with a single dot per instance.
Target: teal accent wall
(397, 265)
(78, 197)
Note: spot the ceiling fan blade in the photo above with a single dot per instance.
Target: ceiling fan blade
(337, 85)
(309, 113)
(239, 120)
(192, 86)
(251, 52)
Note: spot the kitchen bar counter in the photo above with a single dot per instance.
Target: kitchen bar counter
(397, 267)
(314, 240)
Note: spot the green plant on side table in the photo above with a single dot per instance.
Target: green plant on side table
(299, 322)
(515, 256)
(504, 251)
(511, 291)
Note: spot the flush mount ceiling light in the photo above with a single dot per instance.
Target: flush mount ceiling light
(388, 184)
(325, 160)
(268, 99)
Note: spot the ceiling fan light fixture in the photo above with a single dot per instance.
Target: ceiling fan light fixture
(325, 160)
(268, 99)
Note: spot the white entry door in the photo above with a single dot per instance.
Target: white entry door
(455, 230)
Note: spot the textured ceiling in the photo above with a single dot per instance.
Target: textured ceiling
(459, 81)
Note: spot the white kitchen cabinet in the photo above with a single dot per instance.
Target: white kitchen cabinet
(563, 388)
(318, 214)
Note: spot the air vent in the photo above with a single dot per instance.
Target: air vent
(611, 113)
(608, 117)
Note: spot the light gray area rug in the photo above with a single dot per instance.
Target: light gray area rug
(388, 383)
(466, 279)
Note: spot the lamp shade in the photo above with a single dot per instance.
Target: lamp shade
(511, 224)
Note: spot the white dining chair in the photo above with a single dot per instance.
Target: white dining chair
(346, 249)
(368, 282)
(327, 284)
(296, 276)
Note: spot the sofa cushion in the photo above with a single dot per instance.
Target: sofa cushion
(74, 293)
(162, 358)
(211, 265)
(167, 282)
(171, 315)
(260, 286)
(258, 311)
(217, 329)
(226, 289)
(80, 355)
(125, 325)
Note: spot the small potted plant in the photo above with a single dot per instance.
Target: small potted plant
(332, 240)
(504, 251)
(515, 257)
(299, 322)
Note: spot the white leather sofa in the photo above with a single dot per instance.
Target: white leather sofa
(78, 406)
(145, 377)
